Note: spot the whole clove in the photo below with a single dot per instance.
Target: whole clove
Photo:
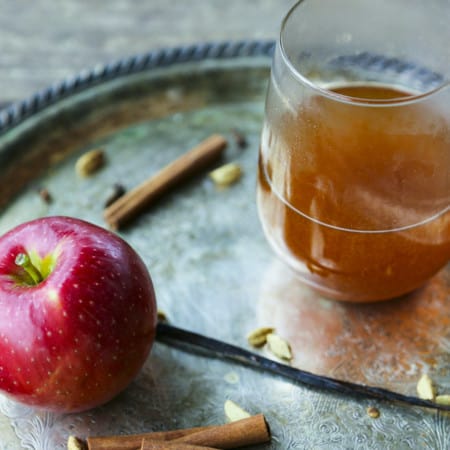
(116, 191)
(45, 195)
(240, 139)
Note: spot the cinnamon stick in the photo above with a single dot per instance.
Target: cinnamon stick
(131, 204)
(241, 433)
(134, 441)
(159, 445)
(251, 431)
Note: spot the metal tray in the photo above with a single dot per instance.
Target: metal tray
(212, 269)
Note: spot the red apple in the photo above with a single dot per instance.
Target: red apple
(77, 314)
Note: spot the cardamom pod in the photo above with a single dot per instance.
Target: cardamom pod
(234, 412)
(226, 175)
(443, 399)
(258, 337)
(373, 412)
(279, 347)
(90, 162)
(74, 443)
(425, 388)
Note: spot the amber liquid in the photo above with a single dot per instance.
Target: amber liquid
(355, 196)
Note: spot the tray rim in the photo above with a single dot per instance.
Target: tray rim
(17, 112)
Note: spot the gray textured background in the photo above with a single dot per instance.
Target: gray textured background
(43, 41)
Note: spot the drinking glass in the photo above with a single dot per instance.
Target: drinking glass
(354, 165)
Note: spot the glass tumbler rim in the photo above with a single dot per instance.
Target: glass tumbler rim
(342, 98)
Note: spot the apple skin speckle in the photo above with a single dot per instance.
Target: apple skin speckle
(83, 344)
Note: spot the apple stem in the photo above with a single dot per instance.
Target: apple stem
(24, 261)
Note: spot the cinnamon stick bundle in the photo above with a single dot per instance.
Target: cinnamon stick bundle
(251, 431)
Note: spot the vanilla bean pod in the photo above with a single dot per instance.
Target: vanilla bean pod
(189, 341)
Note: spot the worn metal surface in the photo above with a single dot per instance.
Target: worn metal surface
(215, 274)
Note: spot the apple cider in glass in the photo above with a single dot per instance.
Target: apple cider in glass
(354, 165)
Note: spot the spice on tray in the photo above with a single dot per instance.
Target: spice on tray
(226, 175)
(425, 388)
(443, 399)
(240, 139)
(279, 347)
(235, 412)
(45, 195)
(258, 337)
(74, 443)
(162, 316)
(135, 201)
(373, 412)
(90, 162)
(251, 431)
(116, 191)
